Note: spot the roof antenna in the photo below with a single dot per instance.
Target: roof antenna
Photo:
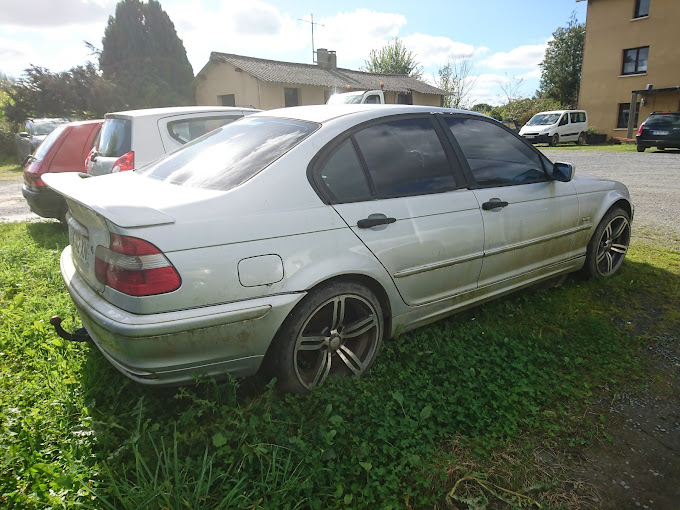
(312, 23)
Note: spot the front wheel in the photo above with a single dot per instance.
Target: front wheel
(609, 245)
(336, 329)
(554, 140)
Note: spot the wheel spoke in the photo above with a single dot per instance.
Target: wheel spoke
(610, 261)
(620, 230)
(324, 368)
(311, 343)
(619, 248)
(360, 327)
(608, 232)
(601, 256)
(338, 312)
(351, 360)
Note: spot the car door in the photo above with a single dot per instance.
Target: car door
(530, 220)
(402, 193)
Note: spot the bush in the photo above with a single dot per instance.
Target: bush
(8, 148)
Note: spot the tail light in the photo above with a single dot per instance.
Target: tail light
(87, 159)
(33, 181)
(124, 163)
(135, 267)
(640, 129)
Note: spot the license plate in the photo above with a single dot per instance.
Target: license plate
(659, 132)
(529, 136)
(81, 247)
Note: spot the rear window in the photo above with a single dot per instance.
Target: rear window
(44, 147)
(189, 129)
(669, 120)
(232, 154)
(115, 138)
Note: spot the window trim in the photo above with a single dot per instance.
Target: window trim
(314, 167)
(472, 183)
(619, 112)
(637, 61)
(636, 11)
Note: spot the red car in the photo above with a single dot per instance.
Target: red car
(64, 150)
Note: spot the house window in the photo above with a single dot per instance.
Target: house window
(641, 8)
(624, 115)
(404, 98)
(228, 100)
(635, 60)
(291, 96)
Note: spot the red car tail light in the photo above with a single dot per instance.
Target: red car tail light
(640, 129)
(124, 163)
(87, 159)
(135, 267)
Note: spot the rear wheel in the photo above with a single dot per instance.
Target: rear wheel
(609, 245)
(581, 139)
(336, 330)
(640, 148)
(554, 140)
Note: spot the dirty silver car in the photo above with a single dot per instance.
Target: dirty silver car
(306, 236)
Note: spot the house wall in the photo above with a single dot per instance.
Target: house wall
(610, 29)
(222, 78)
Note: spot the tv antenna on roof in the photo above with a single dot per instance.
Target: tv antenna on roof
(312, 23)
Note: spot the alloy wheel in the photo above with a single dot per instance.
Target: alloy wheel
(613, 245)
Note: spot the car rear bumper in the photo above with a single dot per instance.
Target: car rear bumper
(175, 347)
(660, 141)
(47, 203)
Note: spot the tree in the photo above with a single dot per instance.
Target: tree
(454, 77)
(561, 65)
(142, 54)
(393, 58)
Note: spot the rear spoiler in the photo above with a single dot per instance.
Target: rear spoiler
(76, 187)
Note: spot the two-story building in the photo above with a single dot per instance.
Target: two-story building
(237, 80)
(631, 63)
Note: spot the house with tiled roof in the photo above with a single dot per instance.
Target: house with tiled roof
(236, 80)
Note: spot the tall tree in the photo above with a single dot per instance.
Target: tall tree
(142, 54)
(455, 78)
(393, 58)
(561, 65)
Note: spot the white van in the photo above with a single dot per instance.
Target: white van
(556, 126)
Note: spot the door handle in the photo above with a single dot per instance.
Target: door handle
(374, 222)
(493, 204)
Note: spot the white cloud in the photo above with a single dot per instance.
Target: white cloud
(535, 73)
(51, 13)
(437, 50)
(527, 56)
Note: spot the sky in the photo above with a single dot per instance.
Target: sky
(504, 39)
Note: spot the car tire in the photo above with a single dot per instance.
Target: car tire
(581, 139)
(640, 148)
(336, 329)
(554, 140)
(609, 244)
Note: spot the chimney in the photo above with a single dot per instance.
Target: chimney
(322, 57)
(332, 60)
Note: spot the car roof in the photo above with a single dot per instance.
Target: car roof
(85, 122)
(324, 113)
(177, 110)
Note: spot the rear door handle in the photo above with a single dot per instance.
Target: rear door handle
(375, 221)
(493, 204)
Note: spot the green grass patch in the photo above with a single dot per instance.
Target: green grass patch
(445, 403)
(10, 170)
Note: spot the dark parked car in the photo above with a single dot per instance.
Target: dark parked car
(35, 132)
(660, 130)
(63, 150)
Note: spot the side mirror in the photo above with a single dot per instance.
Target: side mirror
(24, 134)
(563, 172)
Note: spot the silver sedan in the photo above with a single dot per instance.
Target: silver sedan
(304, 237)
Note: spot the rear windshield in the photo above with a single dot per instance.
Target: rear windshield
(544, 119)
(45, 127)
(44, 147)
(232, 154)
(115, 138)
(669, 120)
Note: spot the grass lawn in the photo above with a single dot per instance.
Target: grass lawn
(10, 169)
(454, 411)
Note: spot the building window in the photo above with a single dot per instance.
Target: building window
(291, 96)
(641, 8)
(635, 60)
(228, 100)
(624, 115)
(404, 98)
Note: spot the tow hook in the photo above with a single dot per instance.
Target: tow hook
(79, 335)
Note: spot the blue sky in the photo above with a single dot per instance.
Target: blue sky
(505, 39)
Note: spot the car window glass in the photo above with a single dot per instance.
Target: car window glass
(343, 176)
(44, 147)
(405, 157)
(189, 129)
(495, 156)
(373, 99)
(231, 154)
(665, 120)
(115, 138)
(564, 120)
(543, 119)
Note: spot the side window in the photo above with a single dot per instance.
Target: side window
(189, 129)
(564, 120)
(373, 99)
(495, 156)
(574, 118)
(343, 176)
(405, 157)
